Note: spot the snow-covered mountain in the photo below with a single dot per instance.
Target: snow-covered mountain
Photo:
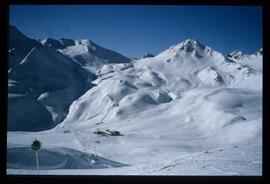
(85, 52)
(188, 110)
(254, 60)
(53, 75)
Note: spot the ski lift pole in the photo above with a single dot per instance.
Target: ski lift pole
(37, 162)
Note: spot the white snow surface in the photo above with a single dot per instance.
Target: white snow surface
(187, 111)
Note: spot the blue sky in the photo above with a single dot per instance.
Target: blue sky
(136, 30)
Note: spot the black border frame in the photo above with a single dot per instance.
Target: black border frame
(119, 178)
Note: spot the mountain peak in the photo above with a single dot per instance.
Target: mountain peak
(260, 52)
(192, 43)
(148, 55)
(14, 28)
(52, 43)
(188, 46)
(15, 34)
(236, 54)
(57, 44)
(67, 42)
(85, 42)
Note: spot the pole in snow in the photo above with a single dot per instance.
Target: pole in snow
(36, 145)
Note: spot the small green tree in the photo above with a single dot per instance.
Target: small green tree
(36, 146)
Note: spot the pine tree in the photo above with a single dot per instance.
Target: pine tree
(36, 145)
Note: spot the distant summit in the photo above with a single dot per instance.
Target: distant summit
(57, 44)
(253, 60)
(238, 55)
(260, 52)
(148, 55)
(190, 47)
(235, 55)
(85, 51)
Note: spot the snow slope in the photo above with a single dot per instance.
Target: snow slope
(224, 161)
(56, 158)
(187, 111)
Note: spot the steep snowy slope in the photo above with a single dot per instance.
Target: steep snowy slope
(19, 46)
(46, 70)
(52, 82)
(189, 110)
